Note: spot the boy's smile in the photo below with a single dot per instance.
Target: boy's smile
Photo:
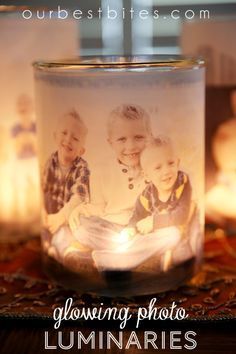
(128, 139)
(161, 167)
(67, 147)
(69, 140)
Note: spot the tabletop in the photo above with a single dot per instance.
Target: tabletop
(28, 298)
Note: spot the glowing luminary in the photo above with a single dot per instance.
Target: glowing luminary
(122, 166)
(21, 42)
(221, 198)
(212, 40)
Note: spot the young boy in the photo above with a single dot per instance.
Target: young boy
(161, 214)
(23, 134)
(166, 199)
(66, 174)
(24, 131)
(116, 185)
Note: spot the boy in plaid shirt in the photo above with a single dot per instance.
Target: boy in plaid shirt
(66, 174)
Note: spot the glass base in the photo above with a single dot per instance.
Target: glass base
(113, 283)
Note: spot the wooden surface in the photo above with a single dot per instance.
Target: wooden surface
(25, 336)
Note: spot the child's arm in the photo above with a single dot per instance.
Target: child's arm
(54, 221)
(87, 210)
(141, 219)
(140, 211)
(177, 216)
(80, 194)
(96, 206)
(145, 225)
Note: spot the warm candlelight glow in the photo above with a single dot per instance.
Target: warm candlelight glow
(220, 199)
(122, 193)
(167, 258)
(6, 172)
(19, 190)
(19, 175)
(123, 239)
(221, 202)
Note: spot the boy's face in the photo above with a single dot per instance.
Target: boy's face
(69, 140)
(128, 139)
(24, 108)
(161, 167)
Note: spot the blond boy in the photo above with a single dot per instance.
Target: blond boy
(66, 174)
(162, 212)
(166, 199)
(117, 183)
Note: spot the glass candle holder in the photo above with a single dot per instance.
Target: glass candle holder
(121, 143)
(21, 42)
(211, 39)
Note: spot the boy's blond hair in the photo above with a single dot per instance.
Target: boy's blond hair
(129, 112)
(156, 142)
(75, 115)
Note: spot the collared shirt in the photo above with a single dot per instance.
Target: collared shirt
(59, 187)
(27, 149)
(114, 190)
(174, 211)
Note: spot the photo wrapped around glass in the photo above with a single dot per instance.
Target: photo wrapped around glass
(121, 150)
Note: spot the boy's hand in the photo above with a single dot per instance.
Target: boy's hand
(74, 218)
(54, 221)
(145, 226)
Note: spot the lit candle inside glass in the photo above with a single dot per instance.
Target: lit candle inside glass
(221, 198)
(19, 192)
(122, 178)
(19, 188)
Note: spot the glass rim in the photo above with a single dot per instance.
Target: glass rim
(120, 63)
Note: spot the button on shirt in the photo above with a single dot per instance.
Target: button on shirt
(110, 189)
